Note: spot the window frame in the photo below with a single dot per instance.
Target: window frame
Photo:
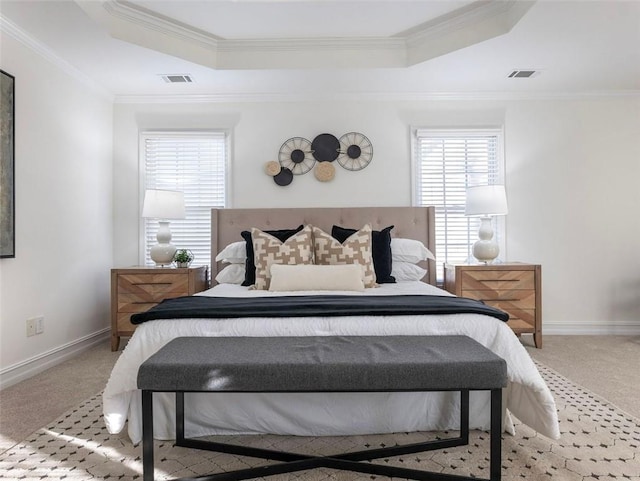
(158, 133)
(499, 224)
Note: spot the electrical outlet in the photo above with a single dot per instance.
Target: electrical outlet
(31, 327)
(39, 325)
(35, 325)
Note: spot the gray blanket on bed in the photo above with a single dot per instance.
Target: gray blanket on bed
(196, 307)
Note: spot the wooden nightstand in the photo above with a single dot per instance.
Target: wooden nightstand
(513, 287)
(136, 289)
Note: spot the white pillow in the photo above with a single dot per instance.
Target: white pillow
(407, 271)
(234, 253)
(232, 274)
(409, 250)
(310, 277)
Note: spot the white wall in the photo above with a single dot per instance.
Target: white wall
(573, 170)
(572, 166)
(63, 215)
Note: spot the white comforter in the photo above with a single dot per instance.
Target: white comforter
(527, 396)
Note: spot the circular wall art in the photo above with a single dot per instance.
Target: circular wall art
(272, 168)
(325, 147)
(295, 155)
(284, 177)
(324, 171)
(356, 151)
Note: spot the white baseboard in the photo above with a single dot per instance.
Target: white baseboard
(567, 328)
(30, 367)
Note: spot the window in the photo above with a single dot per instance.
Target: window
(446, 162)
(194, 163)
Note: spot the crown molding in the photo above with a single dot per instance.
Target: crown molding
(479, 21)
(304, 44)
(469, 25)
(14, 31)
(257, 97)
(148, 19)
(469, 15)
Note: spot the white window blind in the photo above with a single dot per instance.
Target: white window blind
(446, 162)
(194, 163)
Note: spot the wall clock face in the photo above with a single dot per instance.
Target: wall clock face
(325, 147)
(295, 155)
(355, 151)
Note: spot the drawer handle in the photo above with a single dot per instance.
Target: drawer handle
(500, 280)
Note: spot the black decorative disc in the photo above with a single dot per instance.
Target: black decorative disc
(325, 147)
(284, 177)
(354, 151)
(297, 156)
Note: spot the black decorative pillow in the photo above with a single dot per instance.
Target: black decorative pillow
(250, 272)
(381, 250)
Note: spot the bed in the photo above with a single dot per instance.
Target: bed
(527, 396)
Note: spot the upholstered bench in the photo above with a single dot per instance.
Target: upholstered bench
(324, 364)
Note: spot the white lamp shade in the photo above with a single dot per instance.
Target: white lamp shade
(486, 200)
(163, 204)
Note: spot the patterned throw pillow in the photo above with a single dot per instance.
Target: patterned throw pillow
(380, 250)
(250, 266)
(267, 250)
(356, 249)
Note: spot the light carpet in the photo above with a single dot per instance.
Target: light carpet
(599, 442)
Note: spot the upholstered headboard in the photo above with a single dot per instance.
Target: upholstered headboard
(410, 222)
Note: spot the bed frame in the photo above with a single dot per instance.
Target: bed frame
(410, 222)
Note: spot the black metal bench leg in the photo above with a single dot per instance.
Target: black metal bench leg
(147, 435)
(348, 461)
(495, 447)
(179, 418)
(464, 416)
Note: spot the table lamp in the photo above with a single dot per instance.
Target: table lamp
(163, 205)
(486, 201)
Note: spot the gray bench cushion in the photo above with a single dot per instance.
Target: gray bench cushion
(314, 364)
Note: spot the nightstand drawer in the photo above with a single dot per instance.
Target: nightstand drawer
(123, 323)
(133, 303)
(151, 287)
(515, 312)
(503, 298)
(520, 326)
(497, 279)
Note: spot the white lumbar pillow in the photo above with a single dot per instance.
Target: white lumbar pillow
(310, 277)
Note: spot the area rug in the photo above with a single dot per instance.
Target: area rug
(599, 442)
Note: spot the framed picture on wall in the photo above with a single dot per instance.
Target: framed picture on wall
(7, 166)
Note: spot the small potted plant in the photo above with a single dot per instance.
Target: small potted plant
(183, 257)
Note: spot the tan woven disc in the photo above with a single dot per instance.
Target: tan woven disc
(324, 171)
(272, 168)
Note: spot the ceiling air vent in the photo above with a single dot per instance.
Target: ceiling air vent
(523, 74)
(177, 78)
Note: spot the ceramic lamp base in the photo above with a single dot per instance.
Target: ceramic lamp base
(162, 254)
(485, 249)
